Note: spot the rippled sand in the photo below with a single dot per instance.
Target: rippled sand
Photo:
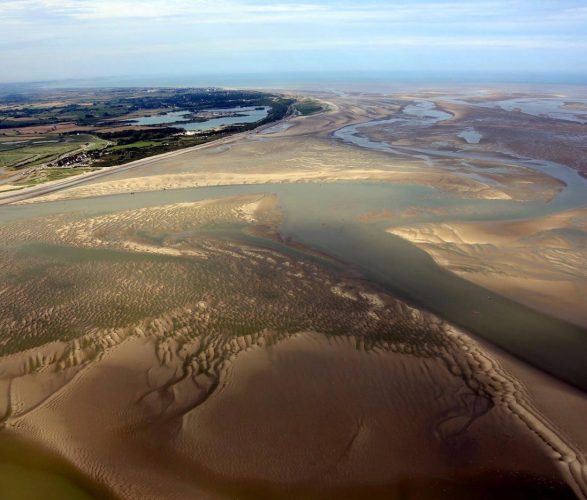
(539, 262)
(186, 351)
(170, 363)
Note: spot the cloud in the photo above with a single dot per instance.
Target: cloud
(429, 43)
(121, 9)
(235, 11)
(71, 35)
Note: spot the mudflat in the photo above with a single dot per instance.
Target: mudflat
(207, 323)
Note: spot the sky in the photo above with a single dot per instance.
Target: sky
(64, 39)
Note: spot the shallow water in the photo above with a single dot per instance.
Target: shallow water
(173, 119)
(573, 195)
(426, 112)
(417, 114)
(471, 136)
(324, 217)
(552, 108)
(411, 274)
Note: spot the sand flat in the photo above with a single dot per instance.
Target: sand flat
(190, 349)
(539, 262)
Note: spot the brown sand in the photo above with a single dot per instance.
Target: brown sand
(302, 152)
(538, 262)
(307, 416)
(420, 411)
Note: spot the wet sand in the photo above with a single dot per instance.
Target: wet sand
(406, 405)
(538, 262)
(304, 417)
(197, 348)
(303, 152)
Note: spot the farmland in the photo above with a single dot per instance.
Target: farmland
(77, 129)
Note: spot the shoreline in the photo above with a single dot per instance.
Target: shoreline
(58, 185)
(257, 325)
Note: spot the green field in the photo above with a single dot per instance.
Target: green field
(46, 149)
(108, 135)
(308, 107)
(50, 174)
(138, 144)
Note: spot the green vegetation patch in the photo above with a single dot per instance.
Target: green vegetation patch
(51, 174)
(138, 144)
(46, 149)
(308, 107)
(114, 139)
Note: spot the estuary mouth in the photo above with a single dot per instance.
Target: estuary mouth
(370, 295)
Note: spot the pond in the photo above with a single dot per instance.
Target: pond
(181, 119)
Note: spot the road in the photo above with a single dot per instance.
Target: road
(33, 192)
